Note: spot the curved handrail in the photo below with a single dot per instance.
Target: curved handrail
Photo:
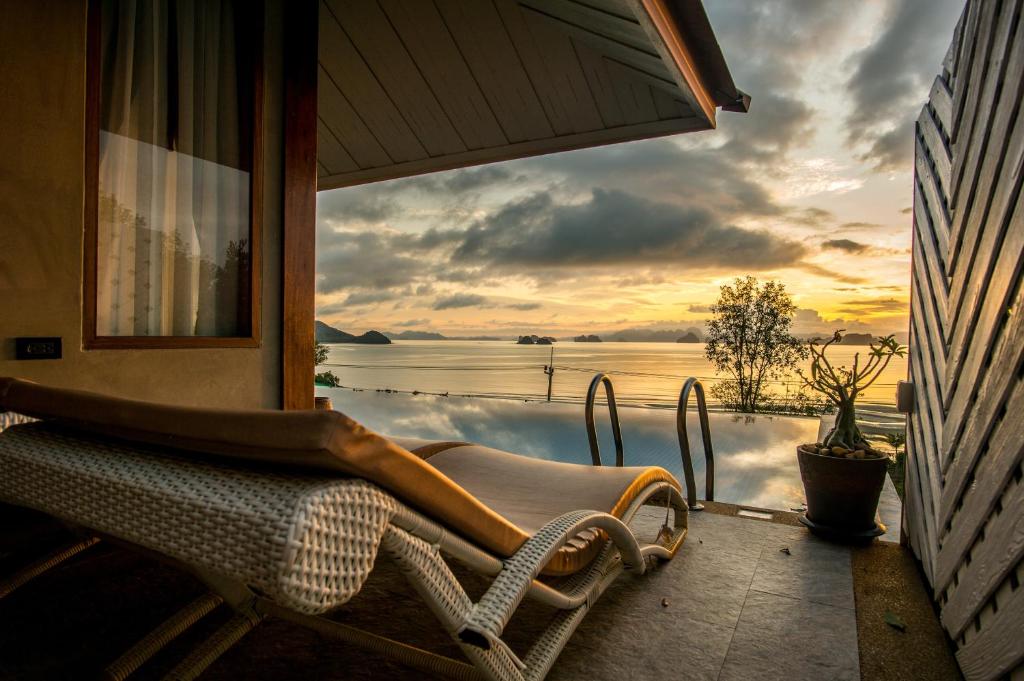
(694, 385)
(613, 413)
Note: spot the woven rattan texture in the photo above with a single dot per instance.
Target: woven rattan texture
(307, 542)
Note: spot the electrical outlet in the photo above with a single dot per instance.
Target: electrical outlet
(37, 348)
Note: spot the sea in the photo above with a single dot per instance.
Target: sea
(643, 374)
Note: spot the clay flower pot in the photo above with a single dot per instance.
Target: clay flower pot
(842, 494)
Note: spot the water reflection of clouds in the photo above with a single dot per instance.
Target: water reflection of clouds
(755, 459)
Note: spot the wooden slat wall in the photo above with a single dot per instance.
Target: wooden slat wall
(964, 512)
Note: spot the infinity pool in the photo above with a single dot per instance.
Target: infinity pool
(755, 456)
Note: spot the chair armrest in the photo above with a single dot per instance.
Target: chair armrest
(486, 622)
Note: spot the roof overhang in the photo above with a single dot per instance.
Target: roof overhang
(409, 87)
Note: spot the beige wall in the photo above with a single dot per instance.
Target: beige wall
(42, 117)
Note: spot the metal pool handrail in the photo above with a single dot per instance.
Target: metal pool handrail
(613, 413)
(694, 385)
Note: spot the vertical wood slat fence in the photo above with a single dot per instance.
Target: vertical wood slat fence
(964, 507)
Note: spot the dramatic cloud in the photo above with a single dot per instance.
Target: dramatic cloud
(892, 77)
(615, 227)
(370, 297)
(365, 259)
(846, 245)
(458, 300)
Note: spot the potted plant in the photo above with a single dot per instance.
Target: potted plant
(843, 474)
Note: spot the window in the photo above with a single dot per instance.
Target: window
(173, 170)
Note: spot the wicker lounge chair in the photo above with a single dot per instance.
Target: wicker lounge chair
(284, 513)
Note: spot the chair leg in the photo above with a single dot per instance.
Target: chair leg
(139, 654)
(25, 575)
(219, 643)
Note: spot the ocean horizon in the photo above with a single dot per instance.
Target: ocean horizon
(645, 374)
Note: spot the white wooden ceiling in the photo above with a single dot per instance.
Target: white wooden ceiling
(414, 86)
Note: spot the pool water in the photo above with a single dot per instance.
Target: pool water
(755, 456)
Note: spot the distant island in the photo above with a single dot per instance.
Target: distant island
(328, 334)
(688, 337)
(857, 339)
(536, 340)
(415, 335)
(655, 335)
(587, 339)
(434, 336)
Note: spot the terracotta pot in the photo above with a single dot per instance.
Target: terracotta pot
(842, 494)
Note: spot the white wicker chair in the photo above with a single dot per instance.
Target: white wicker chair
(299, 544)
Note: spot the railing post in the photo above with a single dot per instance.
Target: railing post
(694, 385)
(613, 412)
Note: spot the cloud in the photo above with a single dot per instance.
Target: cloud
(875, 306)
(369, 297)
(411, 322)
(892, 76)
(614, 227)
(346, 207)
(523, 307)
(362, 259)
(698, 308)
(860, 225)
(812, 217)
(832, 273)
(459, 300)
(845, 245)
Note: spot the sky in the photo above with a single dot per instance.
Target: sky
(812, 187)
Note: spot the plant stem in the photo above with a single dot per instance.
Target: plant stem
(845, 433)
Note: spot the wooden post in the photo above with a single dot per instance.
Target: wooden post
(550, 371)
(302, 26)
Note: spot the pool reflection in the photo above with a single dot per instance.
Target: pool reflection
(755, 456)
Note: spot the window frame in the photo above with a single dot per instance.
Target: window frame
(90, 339)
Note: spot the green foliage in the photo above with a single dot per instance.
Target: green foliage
(749, 339)
(842, 386)
(327, 379)
(896, 440)
(799, 403)
(320, 353)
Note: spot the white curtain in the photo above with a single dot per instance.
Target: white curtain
(174, 170)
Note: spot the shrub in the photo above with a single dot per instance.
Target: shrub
(327, 379)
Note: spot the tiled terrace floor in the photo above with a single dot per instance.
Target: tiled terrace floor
(738, 607)
(732, 605)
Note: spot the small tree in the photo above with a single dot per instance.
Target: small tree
(842, 385)
(896, 440)
(749, 339)
(320, 353)
(327, 379)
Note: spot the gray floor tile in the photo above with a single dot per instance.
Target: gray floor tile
(812, 570)
(666, 647)
(792, 640)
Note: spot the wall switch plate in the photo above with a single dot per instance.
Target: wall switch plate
(37, 348)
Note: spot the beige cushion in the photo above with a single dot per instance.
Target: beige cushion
(530, 492)
(523, 490)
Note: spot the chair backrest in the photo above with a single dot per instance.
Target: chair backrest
(327, 441)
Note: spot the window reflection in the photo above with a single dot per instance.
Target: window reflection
(175, 165)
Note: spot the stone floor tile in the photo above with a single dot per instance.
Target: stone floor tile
(673, 649)
(811, 570)
(786, 639)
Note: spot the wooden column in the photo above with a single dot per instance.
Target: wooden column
(300, 72)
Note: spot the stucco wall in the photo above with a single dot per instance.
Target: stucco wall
(42, 121)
